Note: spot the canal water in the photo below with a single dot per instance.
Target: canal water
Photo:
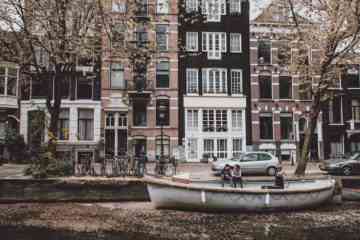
(263, 233)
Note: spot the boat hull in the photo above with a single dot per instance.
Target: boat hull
(188, 198)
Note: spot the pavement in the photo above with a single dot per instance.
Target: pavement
(201, 171)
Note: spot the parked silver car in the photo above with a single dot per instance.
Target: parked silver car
(251, 163)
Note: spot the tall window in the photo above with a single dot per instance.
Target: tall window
(235, 42)
(285, 87)
(192, 85)
(162, 6)
(214, 80)
(119, 6)
(162, 37)
(353, 78)
(140, 113)
(266, 126)
(141, 35)
(214, 44)
(213, 9)
(214, 120)
(237, 147)
(192, 6)
(192, 121)
(286, 121)
(209, 147)
(86, 124)
(236, 81)
(63, 124)
(355, 104)
(265, 87)
(335, 110)
(117, 76)
(163, 74)
(84, 88)
(192, 42)
(222, 148)
(2, 80)
(235, 6)
(8, 81)
(264, 52)
(110, 120)
(162, 112)
(236, 119)
(142, 8)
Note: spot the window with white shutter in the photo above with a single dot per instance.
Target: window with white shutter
(235, 42)
(192, 41)
(214, 43)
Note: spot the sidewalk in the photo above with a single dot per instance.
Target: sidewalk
(13, 171)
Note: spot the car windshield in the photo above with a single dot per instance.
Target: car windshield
(355, 156)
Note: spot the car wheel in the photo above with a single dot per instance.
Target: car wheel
(271, 171)
(347, 171)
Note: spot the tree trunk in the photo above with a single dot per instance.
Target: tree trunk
(54, 107)
(304, 158)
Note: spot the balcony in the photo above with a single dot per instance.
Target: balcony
(140, 87)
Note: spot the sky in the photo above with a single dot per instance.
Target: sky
(256, 7)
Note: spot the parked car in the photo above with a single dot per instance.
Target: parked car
(345, 166)
(251, 163)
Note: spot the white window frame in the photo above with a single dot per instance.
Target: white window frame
(192, 6)
(236, 120)
(235, 85)
(235, 6)
(214, 44)
(237, 149)
(222, 149)
(214, 80)
(162, 6)
(192, 119)
(209, 147)
(192, 79)
(6, 77)
(119, 68)
(167, 38)
(192, 41)
(235, 42)
(213, 14)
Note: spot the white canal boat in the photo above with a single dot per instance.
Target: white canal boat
(182, 194)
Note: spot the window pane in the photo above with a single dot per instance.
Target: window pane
(266, 127)
(162, 6)
(264, 52)
(117, 76)
(162, 74)
(84, 88)
(86, 124)
(162, 37)
(285, 87)
(286, 122)
(237, 147)
(235, 6)
(162, 112)
(192, 81)
(139, 113)
(236, 82)
(2, 80)
(191, 41)
(265, 87)
(235, 42)
(63, 124)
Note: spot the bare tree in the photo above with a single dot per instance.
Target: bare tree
(332, 28)
(54, 37)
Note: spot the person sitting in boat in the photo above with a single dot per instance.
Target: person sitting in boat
(279, 180)
(226, 174)
(237, 176)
